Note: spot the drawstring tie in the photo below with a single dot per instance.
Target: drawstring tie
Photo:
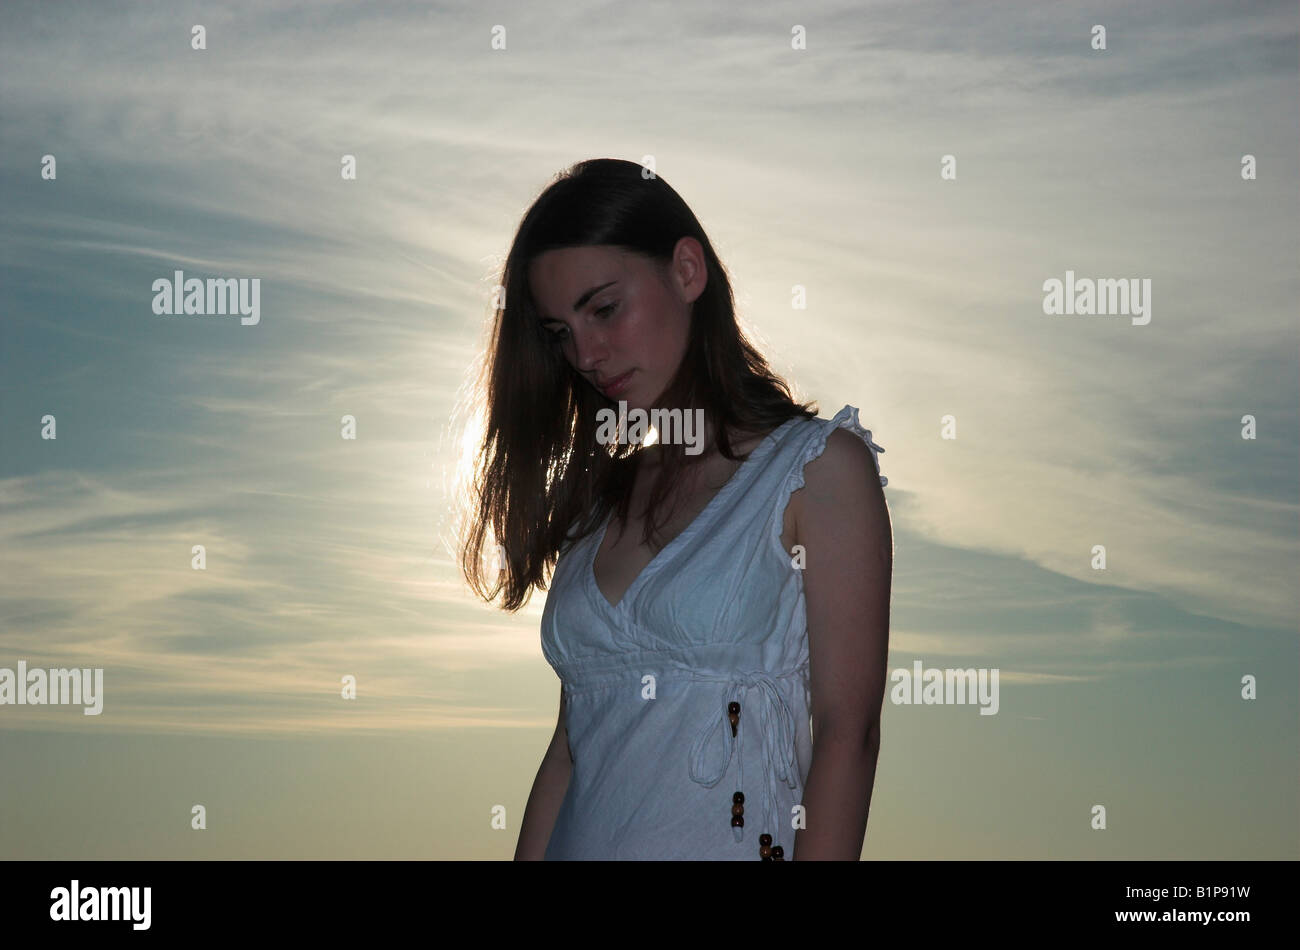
(776, 728)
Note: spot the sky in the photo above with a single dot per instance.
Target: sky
(1015, 440)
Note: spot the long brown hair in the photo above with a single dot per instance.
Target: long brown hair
(541, 480)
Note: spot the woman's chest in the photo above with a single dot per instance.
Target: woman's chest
(622, 553)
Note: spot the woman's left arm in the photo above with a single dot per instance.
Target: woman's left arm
(843, 524)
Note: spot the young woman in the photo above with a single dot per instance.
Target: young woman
(718, 619)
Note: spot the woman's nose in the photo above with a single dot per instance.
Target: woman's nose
(589, 349)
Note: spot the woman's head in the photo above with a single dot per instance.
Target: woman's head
(618, 316)
(604, 221)
(610, 274)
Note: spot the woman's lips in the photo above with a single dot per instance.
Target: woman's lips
(618, 384)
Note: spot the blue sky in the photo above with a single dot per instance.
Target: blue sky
(817, 167)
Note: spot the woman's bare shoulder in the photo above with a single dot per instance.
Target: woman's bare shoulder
(846, 467)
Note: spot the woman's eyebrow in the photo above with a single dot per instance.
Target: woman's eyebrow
(577, 304)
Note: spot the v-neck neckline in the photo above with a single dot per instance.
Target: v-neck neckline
(680, 537)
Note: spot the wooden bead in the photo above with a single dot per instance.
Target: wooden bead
(738, 798)
(737, 809)
(765, 840)
(765, 852)
(738, 821)
(733, 708)
(778, 853)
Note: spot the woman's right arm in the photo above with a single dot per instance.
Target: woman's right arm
(548, 792)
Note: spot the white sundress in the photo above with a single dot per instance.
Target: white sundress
(717, 616)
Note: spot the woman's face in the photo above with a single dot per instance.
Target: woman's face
(613, 316)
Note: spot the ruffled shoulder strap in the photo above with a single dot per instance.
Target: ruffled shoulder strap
(803, 442)
(814, 437)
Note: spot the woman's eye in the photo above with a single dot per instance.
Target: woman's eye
(560, 334)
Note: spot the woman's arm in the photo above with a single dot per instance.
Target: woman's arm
(843, 524)
(548, 793)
